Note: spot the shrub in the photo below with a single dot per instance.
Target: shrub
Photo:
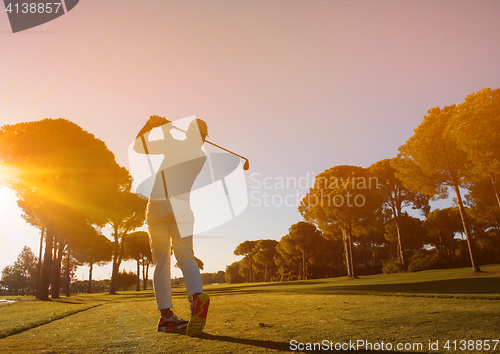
(426, 259)
(391, 266)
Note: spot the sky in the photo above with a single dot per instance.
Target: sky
(295, 86)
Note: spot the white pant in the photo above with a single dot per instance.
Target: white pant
(162, 228)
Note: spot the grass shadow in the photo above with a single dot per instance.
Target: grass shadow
(40, 322)
(475, 287)
(272, 345)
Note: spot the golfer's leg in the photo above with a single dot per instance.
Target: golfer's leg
(160, 248)
(183, 249)
(161, 279)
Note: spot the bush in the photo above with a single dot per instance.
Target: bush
(425, 260)
(98, 286)
(391, 266)
(177, 283)
(126, 280)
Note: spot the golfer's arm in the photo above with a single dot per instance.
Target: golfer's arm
(154, 147)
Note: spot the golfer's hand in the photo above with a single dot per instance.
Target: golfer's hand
(156, 121)
(153, 122)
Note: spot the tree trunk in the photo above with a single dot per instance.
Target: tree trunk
(347, 253)
(453, 251)
(68, 274)
(352, 257)
(56, 274)
(89, 288)
(493, 181)
(468, 236)
(116, 264)
(43, 293)
(365, 257)
(138, 287)
(145, 287)
(401, 253)
(339, 262)
(114, 274)
(304, 265)
(143, 272)
(39, 270)
(54, 280)
(251, 268)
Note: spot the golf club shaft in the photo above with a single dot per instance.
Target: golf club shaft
(152, 169)
(220, 147)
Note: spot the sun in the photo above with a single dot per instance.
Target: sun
(5, 174)
(2, 176)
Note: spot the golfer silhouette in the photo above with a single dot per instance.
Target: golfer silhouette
(171, 221)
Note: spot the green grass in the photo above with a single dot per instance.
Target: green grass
(433, 283)
(265, 317)
(21, 316)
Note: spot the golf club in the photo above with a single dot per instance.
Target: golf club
(151, 166)
(246, 165)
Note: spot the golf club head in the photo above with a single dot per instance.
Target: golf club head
(246, 166)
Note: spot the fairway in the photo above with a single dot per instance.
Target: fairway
(410, 310)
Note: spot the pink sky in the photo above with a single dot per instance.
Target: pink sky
(295, 86)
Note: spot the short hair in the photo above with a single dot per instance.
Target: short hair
(199, 125)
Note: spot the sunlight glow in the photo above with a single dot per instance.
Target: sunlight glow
(4, 174)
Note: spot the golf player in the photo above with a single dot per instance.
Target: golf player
(170, 219)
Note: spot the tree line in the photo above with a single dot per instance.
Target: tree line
(22, 278)
(356, 219)
(70, 186)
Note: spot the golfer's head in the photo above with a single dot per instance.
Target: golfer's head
(197, 129)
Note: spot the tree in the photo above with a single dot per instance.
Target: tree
(21, 277)
(304, 237)
(431, 161)
(247, 249)
(342, 198)
(69, 231)
(221, 277)
(27, 263)
(244, 269)
(213, 278)
(414, 234)
(265, 255)
(94, 249)
(68, 271)
(331, 254)
(58, 169)
(442, 225)
(481, 198)
(12, 280)
(475, 126)
(395, 198)
(128, 215)
(287, 259)
(137, 248)
(232, 273)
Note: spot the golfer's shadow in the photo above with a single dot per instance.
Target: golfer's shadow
(269, 344)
